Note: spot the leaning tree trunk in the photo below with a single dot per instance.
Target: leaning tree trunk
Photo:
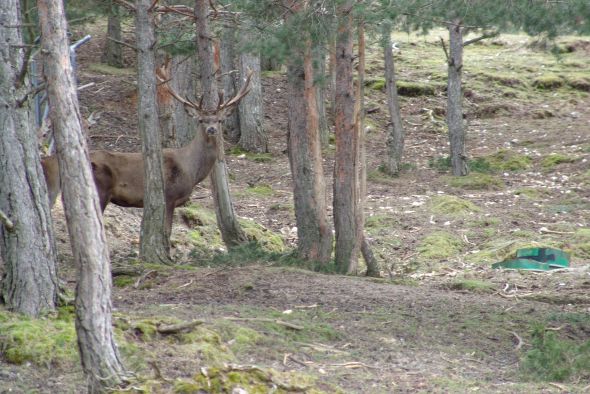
(455, 100)
(313, 231)
(231, 232)
(368, 256)
(347, 145)
(395, 131)
(98, 352)
(155, 238)
(113, 51)
(253, 137)
(27, 245)
(227, 55)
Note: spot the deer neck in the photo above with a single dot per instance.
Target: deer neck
(199, 157)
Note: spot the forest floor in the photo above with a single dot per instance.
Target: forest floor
(440, 319)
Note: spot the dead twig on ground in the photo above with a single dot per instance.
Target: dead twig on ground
(147, 275)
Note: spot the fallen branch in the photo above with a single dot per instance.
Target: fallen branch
(176, 328)
(353, 365)
(320, 347)
(145, 276)
(260, 319)
(520, 341)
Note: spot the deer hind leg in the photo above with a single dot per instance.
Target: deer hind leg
(103, 179)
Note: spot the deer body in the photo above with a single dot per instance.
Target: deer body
(119, 177)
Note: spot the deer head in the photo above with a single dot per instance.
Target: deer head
(209, 120)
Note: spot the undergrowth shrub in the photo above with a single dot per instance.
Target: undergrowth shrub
(554, 359)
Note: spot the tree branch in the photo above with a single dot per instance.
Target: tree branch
(444, 47)
(482, 37)
(123, 43)
(6, 221)
(126, 4)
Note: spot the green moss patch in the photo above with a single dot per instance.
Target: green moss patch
(555, 159)
(439, 245)
(256, 157)
(452, 206)
(548, 82)
(579, 83)
(476, 181)
(269, 241)
(261, 190)
(508, 160)
(555, 359)
(472, 285)
(44, 342)
(233, 378)
(580, 245)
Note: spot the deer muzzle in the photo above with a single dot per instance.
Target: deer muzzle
(211, 130)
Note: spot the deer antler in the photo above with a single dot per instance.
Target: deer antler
(243, 91)
(221, 106)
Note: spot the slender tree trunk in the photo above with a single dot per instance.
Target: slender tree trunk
(347, 148)
(98, 352)
(319, 63)
(28, 248)
(183, 69)
(154, 238)
(113, 52)
(253, 137)
(231, 232)
(227, 54)
(395, 131)
(365, 247)
(314, 233)
(455, 100)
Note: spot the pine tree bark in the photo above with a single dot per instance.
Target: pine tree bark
(253, 138)
(184, 70)
(455, 100)
(113, 51)
(154, 236)
(365, 247)
(30, 285)
(313, 231)
(231, 231)
(98, 352)
(227, 54)
(319, 55)
(395, 131)
(347, 148)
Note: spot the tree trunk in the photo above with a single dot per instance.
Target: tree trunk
(319, 55)
(231, 232)
(370, 261)
(154, 237)
(229, 75)
(98, 352)
(253, 137)
(395, 131)
(347, 148)
(166, 105)
(113, 52)
(30, 285)
(455, 100)
(183, 69)
(305, 158)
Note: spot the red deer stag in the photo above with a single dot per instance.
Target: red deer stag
(119, 176)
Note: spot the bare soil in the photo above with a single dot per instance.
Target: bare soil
(416, 329)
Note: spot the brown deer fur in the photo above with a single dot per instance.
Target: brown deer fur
(119, 176)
